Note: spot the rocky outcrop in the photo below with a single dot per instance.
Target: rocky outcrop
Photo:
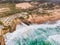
(2, 40)
(41, 19)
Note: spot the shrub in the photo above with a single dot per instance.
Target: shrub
(1, 23)
(6, 27)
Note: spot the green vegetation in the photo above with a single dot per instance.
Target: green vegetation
(1, 23)
(6, 27)
(12, 10)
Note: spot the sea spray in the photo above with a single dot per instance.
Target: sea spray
(35, 34)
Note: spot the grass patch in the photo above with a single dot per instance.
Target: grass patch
(1, 23)
(6, 28)
(12, 8)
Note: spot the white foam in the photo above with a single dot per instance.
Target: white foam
(25, 29)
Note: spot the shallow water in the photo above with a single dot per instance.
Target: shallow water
(42, 34)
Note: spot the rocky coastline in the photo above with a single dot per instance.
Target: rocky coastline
(39, 15)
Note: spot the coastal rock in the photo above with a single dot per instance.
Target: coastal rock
(42, 19)
(38, 19)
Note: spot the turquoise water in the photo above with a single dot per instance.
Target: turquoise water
(43, 34)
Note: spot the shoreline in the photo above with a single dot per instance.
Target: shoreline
(42, 19)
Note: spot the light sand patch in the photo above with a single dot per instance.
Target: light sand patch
(24, 5)
(4, 10)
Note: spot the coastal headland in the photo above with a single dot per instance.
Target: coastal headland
(28, 13)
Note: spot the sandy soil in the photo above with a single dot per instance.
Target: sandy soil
(23, 5)
(4, 10)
